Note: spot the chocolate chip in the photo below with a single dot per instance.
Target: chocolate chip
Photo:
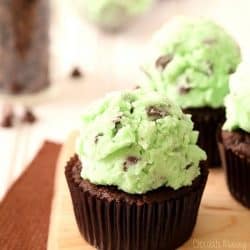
(209, 41)
(162, 62)
(156, 112)
(131, 160)
(131, 110)
(184, 89)
(29, 116)
(8, 117)
(118, 125)
(231, 71)
(189, 166)
(7, 122)
(97, 137)
(117, 122)
(76, 73)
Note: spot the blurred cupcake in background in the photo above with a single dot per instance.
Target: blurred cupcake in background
(113, 15)
(191, 63)
(235, 136)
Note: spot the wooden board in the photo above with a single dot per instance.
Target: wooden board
(222, 222)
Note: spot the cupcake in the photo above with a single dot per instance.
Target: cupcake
(137, 178)
(191, 61)
(235, 136)
(112, 15)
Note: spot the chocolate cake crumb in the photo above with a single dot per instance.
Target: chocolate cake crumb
(29, 116)
(97, 137)
(162, 62)
(156, 112)
(238, 141)
(76, 73)
(131, 160)
(8, 117)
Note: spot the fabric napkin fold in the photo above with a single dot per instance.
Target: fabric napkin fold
(25, 210)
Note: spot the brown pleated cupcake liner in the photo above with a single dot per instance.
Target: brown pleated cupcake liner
(207, 121)
(114, 224)
(237, 175)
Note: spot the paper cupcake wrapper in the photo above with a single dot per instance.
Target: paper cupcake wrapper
(118, 225)
(237, 175)
(208, 125)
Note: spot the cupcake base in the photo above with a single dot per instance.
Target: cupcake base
(207, 121)
(237, 164)
(110, 219)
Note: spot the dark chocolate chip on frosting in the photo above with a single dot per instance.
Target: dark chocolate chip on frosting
(117, 122)
(97, 137)
(231, 71)
(156, 112)
(131, 110)
(131, 160)
(184, 89)
(162, 62)
(189, 166)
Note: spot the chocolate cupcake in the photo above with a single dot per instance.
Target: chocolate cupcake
(235, 136)
(191, 61)
(137, 179)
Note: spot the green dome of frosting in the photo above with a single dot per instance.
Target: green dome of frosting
(113, 13)
(191, 61)
(238, 101)
(138, 141)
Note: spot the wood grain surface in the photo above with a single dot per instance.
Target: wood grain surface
(222, 222)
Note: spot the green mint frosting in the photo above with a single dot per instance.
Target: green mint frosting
(238, 101)
(113, 13)
(191, 61)
(138, 141)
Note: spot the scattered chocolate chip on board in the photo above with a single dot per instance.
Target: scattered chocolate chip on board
(7, 116)
(28, 116)
(76, 73)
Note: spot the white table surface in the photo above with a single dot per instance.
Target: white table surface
(109, 62)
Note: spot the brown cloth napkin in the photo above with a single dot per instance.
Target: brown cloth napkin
(25, 210)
